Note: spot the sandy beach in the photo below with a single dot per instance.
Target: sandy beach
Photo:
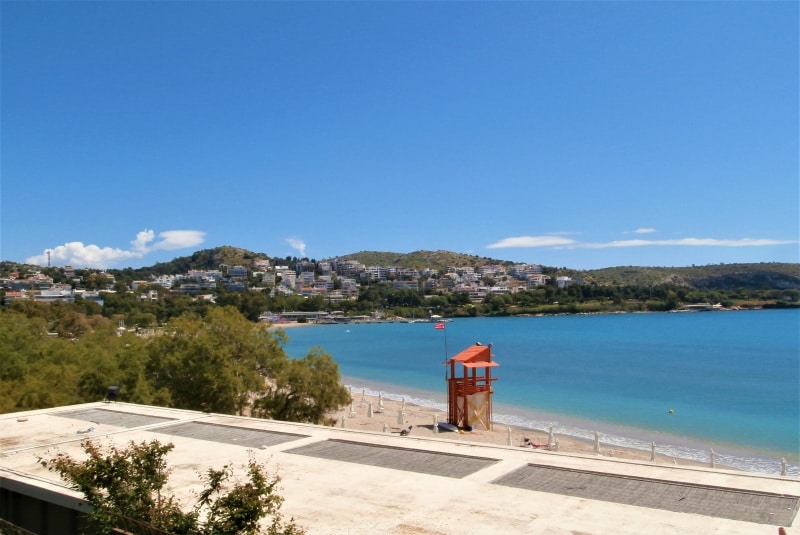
(375, 413)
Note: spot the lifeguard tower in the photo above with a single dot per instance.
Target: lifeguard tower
(469, 396)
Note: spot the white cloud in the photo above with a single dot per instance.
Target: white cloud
(179, 239)
(687, 242)
(645, 230)
(142, 239)
(78, 254)
(558, 242)
(299, 245)
(531, 241)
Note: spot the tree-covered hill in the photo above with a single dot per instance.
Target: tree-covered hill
(776, 276)
(206, 259)
(437, 260)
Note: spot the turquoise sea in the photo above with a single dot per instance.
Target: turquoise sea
(732, 379)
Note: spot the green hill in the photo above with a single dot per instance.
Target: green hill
(437, 260)
(712, 277)
(206, 259)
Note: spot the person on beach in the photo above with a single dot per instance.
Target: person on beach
(529, 444)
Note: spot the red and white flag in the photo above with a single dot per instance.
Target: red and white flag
(439, 325)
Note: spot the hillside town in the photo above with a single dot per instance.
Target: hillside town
(335, 280)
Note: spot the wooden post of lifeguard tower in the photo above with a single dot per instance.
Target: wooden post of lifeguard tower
(469, 395)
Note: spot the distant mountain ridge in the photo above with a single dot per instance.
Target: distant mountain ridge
(767, 275)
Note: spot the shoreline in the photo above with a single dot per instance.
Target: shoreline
(293, 324)
(421, 417)
(379, 413)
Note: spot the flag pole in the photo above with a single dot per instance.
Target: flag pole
(441, 326)
(445, 343)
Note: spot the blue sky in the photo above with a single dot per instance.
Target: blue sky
(572, 134)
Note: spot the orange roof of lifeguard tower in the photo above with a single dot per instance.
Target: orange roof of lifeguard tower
(477, 356)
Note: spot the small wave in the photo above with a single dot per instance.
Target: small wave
(358, 391)
(762, 465)
(765, 465)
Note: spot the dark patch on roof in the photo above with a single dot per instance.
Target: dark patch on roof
(741, 505)
(112, 417)
(397, 458)
(228, 434)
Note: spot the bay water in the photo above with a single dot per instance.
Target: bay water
(690, 382)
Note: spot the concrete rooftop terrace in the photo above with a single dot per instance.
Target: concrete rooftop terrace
(338, 480)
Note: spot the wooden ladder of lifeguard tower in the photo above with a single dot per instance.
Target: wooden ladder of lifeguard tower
(469, 395)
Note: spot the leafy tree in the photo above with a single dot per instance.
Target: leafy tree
(304, 391)
(312, 304)
(214, 363)
(225, 297)
(460, 299)
(127, 486)
(69, 323)
(672, 300)
(20, 338)
(252, 304)
(241, 509)
(496, 305)
(36, 370)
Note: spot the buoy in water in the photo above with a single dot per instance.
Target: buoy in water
(672, 411)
